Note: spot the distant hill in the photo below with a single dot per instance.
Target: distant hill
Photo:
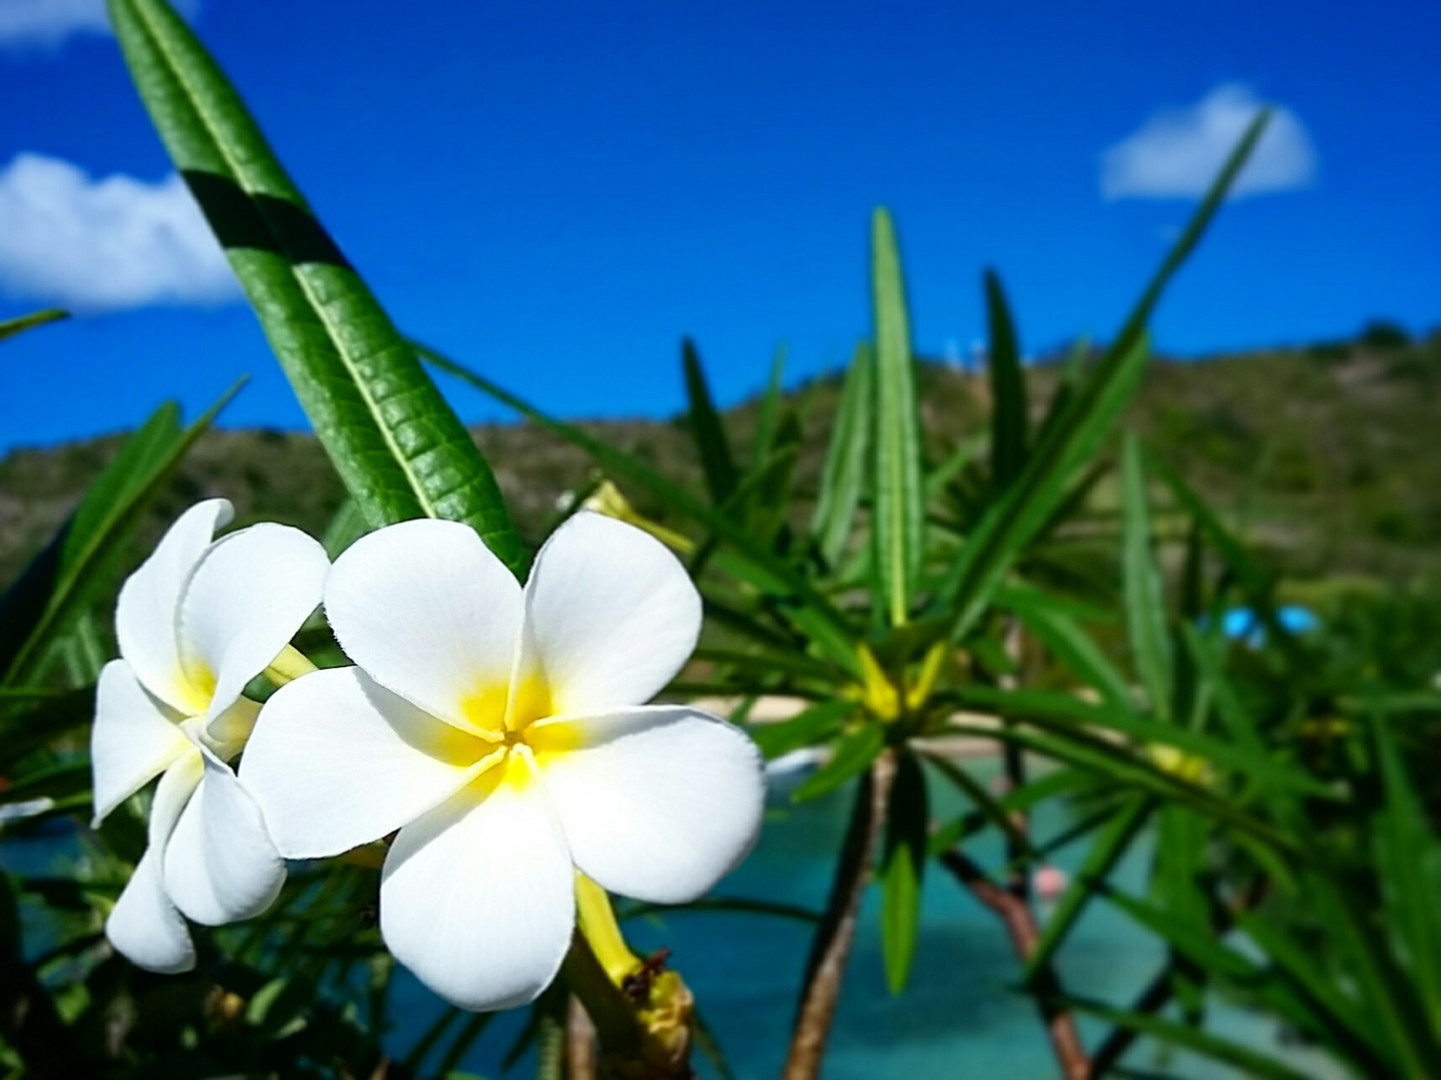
(1328, 455)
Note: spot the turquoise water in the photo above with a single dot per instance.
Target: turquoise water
(957, 1019)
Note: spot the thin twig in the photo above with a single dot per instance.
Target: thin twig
(579, 1043)
(1015, 913)
(831, 947)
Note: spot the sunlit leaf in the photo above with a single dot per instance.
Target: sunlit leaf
(843, 474)
(397, 445)
(903, 865)
(899, 517)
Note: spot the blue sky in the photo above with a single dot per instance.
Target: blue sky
(557, 192)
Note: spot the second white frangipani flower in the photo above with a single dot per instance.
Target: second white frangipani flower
(502, 732)
(196, 622)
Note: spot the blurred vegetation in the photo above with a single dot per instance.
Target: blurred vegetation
(1321, 456)
(919, 554)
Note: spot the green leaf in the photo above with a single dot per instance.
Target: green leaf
(738, 905)
(853, 756)
(1105, 762)
(1409, 866)
(1383, 986)
(899, 517)
(64, 578)
(397, 445)
(775, 480)
(1069, 644)
(1105, 852)
(1077, 430)
(1018, 517)
(1185, 244)
(464, 1039)
(1252, 1063)
(1297, 964)
(1059, 711)
(705, 425)
(1141, 579)
(1194, 941)
(843, 474)
(804, 604)
(25, 731)
(902, 871)
(936, 479)
(18, 325)
(432, 1036)
(807, 728)
(1017, 801)
(769, 414)
(989, 806)
(710, 1047)
(345, 528)
(1178, 884)
(1010, 415)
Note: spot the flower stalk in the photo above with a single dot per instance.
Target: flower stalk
(290, 665)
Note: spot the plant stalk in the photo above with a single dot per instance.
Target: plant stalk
(1020, 922)
(831, 947)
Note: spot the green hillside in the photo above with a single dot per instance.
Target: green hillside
(1324, 455)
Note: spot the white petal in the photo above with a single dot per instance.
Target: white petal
(336, 760)
(134, 738)
(432, 615)
(146, 612)
(610, 614)
(177, 784)
(145, 926)
(657, 803)
(479, 900)
(220, 865)
(244, 601)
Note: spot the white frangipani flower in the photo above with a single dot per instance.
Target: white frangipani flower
(502, 732)
(196, 622)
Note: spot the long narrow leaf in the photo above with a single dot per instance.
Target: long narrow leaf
(805, 600)
(1251, 1062)
(1022, 512)
(770, 412)
(809, 727)
(902, 871)
(899, 518)
(18, 325)
(1078, 429)
(1409, 861)
(1010, 415)
(1103, 856)
(397, 445)
(1059, 711)
(74, 569)
(705, 425)
(1141, 581)
(843, 475)
(1071, 645)
(853, 756)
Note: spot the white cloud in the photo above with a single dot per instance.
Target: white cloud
(1178, 151)
(49, 22)
(105, 244)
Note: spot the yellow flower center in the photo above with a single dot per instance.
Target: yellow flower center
(196, 686)
(511, 737)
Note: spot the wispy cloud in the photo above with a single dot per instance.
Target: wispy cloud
(47, 23)
(105, 244)
(1179, 151)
